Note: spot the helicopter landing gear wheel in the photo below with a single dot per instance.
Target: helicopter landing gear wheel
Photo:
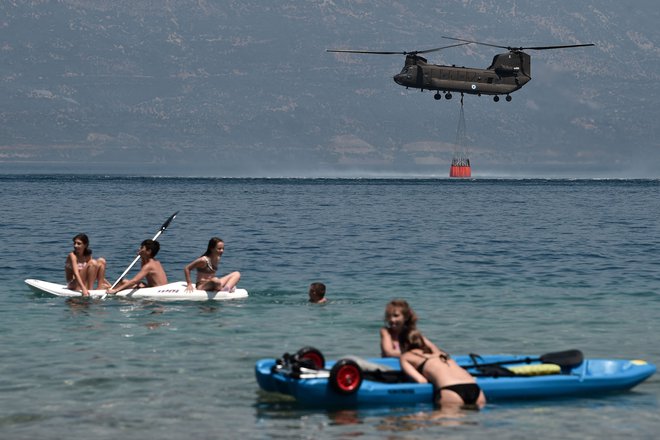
(437, 96)
(447, 95)
(496, 98)
(508, 98)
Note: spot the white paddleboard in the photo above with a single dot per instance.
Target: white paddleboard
(171, 292)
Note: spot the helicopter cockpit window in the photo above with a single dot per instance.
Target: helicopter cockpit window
(408, 71)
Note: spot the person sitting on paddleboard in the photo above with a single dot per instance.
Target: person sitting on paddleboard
(207, 267)
(151, 269)
(317, 293)
(81, 270)
(400, 319)
(452, 384)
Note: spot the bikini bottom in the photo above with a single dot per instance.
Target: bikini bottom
(469, 392)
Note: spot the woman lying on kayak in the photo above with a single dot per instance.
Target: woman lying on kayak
(81, 270)
(453, 385)
(207, 267)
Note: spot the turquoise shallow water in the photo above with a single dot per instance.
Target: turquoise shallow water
(491, 266)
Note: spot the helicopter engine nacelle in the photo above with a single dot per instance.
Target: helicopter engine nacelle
(505, 70)
(511, 64)
(412, 60)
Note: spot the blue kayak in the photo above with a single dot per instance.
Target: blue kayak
(352, 381)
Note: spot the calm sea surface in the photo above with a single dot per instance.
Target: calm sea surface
(491, 266)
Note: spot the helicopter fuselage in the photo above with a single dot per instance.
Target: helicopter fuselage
(508, 73)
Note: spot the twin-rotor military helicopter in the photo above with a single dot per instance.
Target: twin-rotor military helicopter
(507, 73)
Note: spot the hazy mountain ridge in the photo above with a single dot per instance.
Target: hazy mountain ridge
(251, 87)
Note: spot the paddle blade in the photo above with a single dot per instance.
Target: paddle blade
(168, 221)
(567, 359)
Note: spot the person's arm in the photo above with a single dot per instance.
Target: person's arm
(76, 274)
(432, 346)
(186, 271)
(386, 344)
(411, 371)
(144, 271)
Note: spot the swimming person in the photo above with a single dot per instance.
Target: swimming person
(400, 319)
(317, 293)
(452, 384)
(207, 267)
(151, 269)
(81, 270)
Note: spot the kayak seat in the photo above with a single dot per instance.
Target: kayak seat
(517, 371)
(536, 370)
(393, 376)
(493, 371)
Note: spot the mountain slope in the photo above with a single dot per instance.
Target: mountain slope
(239, 88)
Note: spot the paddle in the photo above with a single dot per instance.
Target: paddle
(162, 229)
(565, 359)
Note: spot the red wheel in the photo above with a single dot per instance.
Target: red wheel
(346, 376)
(313, 356)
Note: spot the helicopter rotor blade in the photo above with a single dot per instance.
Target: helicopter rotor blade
(554, 47)
(365, 51)
(477, 42)
(440, 48)
(413, 53)
(518, 49)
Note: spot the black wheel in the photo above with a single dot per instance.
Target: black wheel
(345, 376)
(448, 96)
(508, 98)
(311, 356)
(496, 98)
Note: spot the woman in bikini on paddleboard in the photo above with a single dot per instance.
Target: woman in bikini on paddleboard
(207, 267)
(81, 270)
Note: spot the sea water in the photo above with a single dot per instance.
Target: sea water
(490, 266)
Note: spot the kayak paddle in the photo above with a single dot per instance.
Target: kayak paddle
(565, 359)
(162, 229)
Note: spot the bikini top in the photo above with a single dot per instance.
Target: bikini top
(81, 265)
(442, 356)
(208, 268)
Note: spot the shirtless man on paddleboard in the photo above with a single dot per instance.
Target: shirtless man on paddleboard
(151, 269)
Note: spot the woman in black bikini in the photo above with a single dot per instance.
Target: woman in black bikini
(453, 385)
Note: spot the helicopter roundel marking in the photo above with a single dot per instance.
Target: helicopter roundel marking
(474, 87)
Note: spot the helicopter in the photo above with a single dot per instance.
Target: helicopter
(507, 73)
